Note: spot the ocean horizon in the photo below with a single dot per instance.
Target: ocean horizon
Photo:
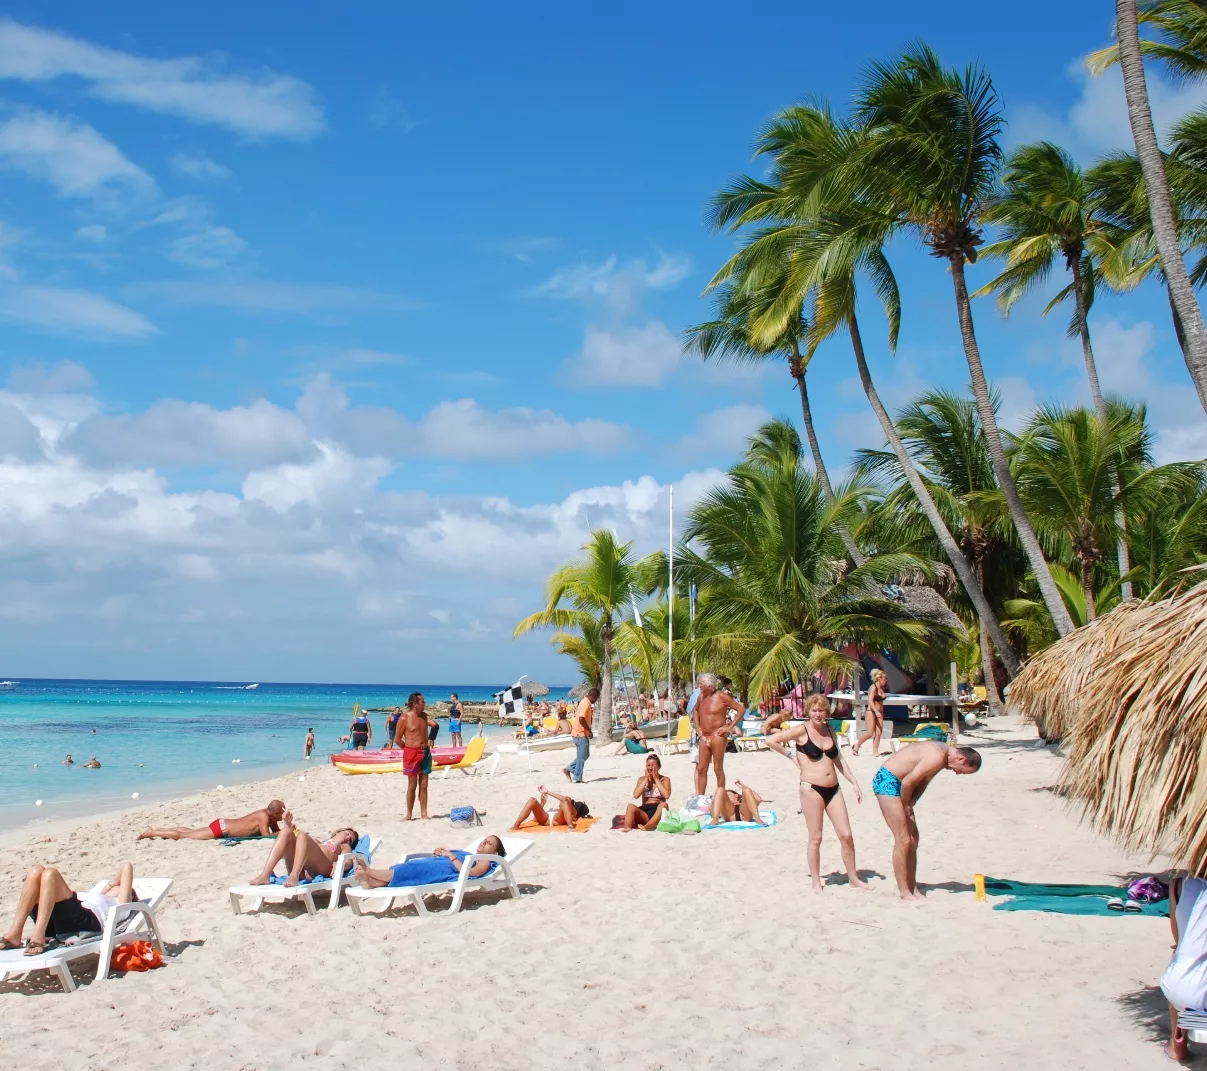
(162, 738)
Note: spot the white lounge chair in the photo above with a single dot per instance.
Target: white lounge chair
(278, 894)
(126, 922)
(501, 877)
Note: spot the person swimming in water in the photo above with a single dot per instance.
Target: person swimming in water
(92, 764)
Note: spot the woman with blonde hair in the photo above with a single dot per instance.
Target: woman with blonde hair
(815, 752)
(875, 727)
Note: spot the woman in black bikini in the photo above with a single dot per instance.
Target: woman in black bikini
(815, 751)
(653, 788)
(875, 729)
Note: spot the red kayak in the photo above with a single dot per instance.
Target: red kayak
(389, 760)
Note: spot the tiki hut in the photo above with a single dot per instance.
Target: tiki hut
(1052, 688)
(1137, 732)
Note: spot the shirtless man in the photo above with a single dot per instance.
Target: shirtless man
(714, 726)
(899, 784)
(411, 734)
(262, 823)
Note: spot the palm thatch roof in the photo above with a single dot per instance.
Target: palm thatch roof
(1051, 690)
(926, 604)
(1136, 727)
(534, 689)
(580, 690)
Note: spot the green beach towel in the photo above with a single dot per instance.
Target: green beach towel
(1065, 899)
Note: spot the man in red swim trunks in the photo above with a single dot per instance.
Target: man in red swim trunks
(262, 823)
(411, 734)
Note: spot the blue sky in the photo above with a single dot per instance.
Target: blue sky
(326, 336)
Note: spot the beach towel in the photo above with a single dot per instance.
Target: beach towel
(428, 870)
(230, 842)
(1066, 899)
(768, 817)
(580, 826)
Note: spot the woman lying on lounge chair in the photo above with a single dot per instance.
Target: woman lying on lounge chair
(305, 856)
(444, 864)
(58, 911)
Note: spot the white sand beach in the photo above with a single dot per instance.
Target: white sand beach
(638, 950)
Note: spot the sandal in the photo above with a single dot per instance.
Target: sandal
(8, 946)
(35, 948)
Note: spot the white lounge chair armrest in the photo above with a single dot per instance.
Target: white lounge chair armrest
(119, 912)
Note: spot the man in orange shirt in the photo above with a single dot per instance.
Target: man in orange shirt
(580, 729)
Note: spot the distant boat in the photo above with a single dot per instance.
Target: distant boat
(250, 687)
(8, 684)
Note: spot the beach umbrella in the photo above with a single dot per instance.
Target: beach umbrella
(580, 690)
(534, 689)
(1136, 757)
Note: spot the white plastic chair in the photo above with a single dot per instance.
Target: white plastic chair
(134, 921)
(501, 877)
(341, 880)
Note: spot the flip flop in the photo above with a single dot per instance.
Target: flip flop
(7, 946)
(1115, 904)
(49, 945)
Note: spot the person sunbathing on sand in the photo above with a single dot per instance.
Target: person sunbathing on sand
(568, 812)
(899, 784)
(653, 788)
(305, 856)
(444, 864)
(737, 804)
(262, 823)
(58, 911)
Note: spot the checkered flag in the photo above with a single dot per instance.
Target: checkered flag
(511, 703)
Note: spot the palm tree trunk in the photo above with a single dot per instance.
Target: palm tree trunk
(991, 693)
(1001, 467)
(1091, 371)
(601, 723)
(1165, 230)
(954, 555)
(819, 465)
(1087, 587)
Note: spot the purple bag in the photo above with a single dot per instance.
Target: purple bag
(1148, 890)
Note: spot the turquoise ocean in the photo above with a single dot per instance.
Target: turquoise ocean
(160, 738)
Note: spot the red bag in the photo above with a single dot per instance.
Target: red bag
(136, 956)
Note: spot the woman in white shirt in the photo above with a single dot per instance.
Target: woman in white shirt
(57, 911)
(1184, 982)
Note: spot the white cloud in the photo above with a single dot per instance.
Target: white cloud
(66, 377)
(724, 431)
(627, 356)
(304, 299)
(197, 165)
(1097, 120)
(71, 156)
(258, 104)
(619, 287)
(525, 247)
(93, 232)
(189, 433)
(386, 110)
(463, 429)
(210, 248)
(70, 312)
(334, 478)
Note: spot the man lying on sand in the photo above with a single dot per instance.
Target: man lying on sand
(737, 804)
(305, 856)
(58, 911)
(568, 812)
(444, 864)
(653, 788)
(899, 784)
(262, 823)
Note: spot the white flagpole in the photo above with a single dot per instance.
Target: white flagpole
(670, 612)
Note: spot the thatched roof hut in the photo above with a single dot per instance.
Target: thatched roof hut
(926, 604)
(1052, 687)
(1136, 730)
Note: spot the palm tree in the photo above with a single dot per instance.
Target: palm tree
(780, 598)
(1046, 208)
(943, 437)
(592, 592)
(1186, 54)
(1030, 617)
(812, 249)
(727, 337)
(585, 647)
(929, 160)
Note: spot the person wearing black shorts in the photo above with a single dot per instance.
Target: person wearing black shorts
(58, 911)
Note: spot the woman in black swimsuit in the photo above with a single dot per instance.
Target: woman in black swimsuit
(815, 752)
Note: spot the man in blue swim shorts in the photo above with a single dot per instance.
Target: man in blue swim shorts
(899, 784)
